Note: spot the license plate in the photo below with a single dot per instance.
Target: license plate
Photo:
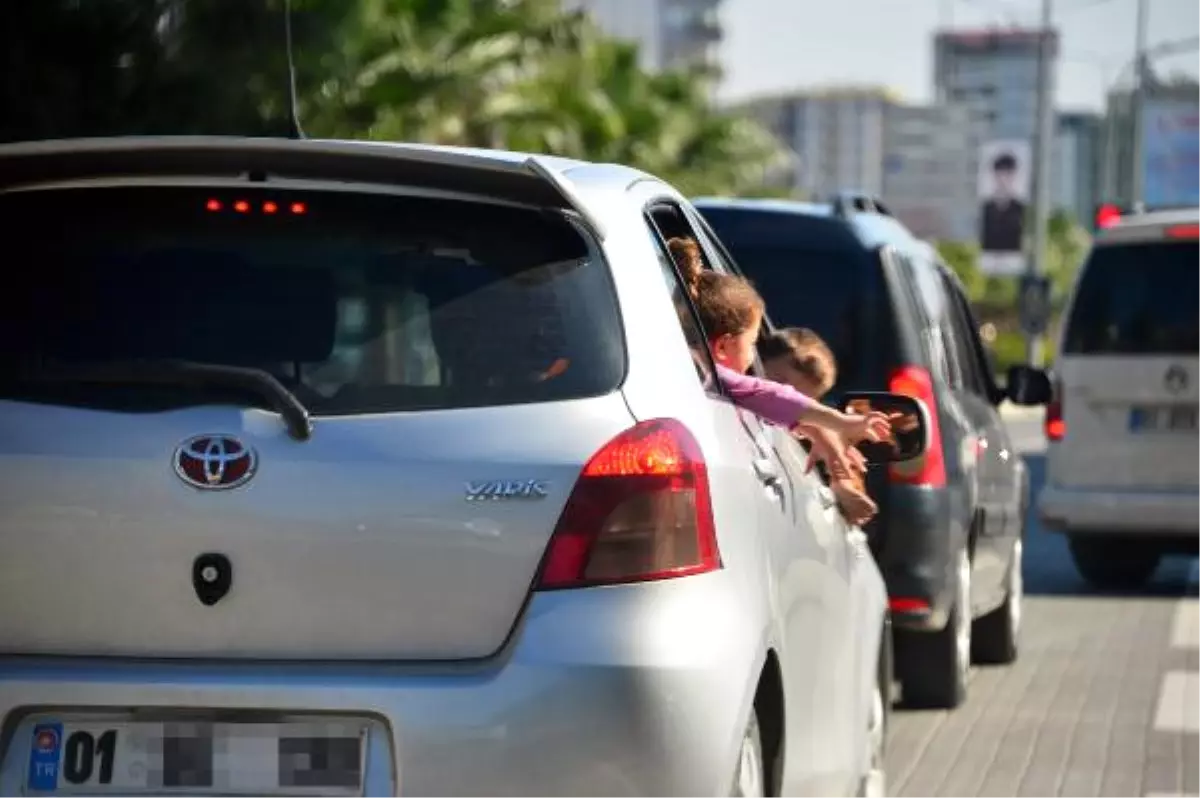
(1163, 418)
(96, 756)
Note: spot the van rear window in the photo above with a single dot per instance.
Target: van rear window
(1137, 299)
(356, 303)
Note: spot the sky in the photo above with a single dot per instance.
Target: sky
(777, 45)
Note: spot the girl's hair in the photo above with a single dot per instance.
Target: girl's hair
(726, 304)
(805, 352)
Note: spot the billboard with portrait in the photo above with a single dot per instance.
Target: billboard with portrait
(1005, 168)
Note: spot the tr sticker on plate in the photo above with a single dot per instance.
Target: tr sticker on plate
(44, 754)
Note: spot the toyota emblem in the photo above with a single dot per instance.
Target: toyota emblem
(214, 462)
(1176, 379)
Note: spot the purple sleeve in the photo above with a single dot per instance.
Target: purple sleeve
(778, 403)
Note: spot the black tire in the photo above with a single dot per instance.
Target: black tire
(995, 638)
(1110, 564)
(753, 739)
(931, 667)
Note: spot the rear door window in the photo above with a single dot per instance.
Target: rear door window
(1137, 299)
(356, 303)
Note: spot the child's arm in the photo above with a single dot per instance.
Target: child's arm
(784, 405)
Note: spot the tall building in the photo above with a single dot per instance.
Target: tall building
(1075, 170)
(670, 33)
(837, 136)
(930, 165)
(996, 72)
(1170, 132)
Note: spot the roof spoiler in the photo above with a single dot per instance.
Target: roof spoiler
(531, 181)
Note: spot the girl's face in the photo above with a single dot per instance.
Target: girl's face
(737, 351)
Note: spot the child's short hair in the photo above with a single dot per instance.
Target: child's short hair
(727, 304)
(806, 353)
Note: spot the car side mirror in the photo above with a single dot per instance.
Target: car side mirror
(909, 421)
(1028, 386)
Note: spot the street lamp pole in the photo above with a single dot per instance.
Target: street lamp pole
(1044, 141)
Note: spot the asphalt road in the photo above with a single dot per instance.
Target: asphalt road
(1102, 700)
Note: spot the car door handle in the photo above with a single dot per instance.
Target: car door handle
(765, 470)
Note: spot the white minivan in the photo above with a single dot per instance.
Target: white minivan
(1121, 479)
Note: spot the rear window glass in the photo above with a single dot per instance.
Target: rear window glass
(356, 303)
(1137, 299)
(815, 283)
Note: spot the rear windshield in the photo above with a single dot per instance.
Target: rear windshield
(356, 303)
(1137, 299)
(810, 276)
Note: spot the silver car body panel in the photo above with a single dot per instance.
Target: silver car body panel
(630, 689)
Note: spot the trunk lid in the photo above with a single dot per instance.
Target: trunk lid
(360, 543)
(460, 361)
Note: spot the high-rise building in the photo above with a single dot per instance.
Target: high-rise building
(1075, 170)
(996, 72)
(670, 33)
(930, 164)
(837, 136)
(1170, 112)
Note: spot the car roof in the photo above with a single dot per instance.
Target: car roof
(544, 180)
(871, 229)
(1147, 227)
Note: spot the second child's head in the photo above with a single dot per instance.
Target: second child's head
(730, 310)
(797, 356)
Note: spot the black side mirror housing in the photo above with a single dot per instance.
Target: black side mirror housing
(1028, 386)
(909, 419)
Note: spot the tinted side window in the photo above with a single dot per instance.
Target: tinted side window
(1137, 299)
(363, 303)
(688, 321)
(931, 304)
(966, 344)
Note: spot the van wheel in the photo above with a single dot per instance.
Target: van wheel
(994, 640)
(1113, 564)
(933, 666)
(748, 778)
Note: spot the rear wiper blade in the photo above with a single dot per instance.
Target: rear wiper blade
(186, 373)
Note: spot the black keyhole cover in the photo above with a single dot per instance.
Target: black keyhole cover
(212, 576)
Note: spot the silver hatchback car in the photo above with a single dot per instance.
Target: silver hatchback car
(358, 469)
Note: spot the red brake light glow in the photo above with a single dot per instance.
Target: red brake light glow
(299, 208)
(640, 511)
(930, 468)
(241, 206)
(213, 205)
(1184, 231)
(270, 207)
(1107, 216)
(1055, 426)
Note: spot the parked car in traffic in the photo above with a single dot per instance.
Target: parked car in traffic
(353, 468)
(950, 530)
(1122, 473)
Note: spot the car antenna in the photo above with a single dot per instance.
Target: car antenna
(294, 129)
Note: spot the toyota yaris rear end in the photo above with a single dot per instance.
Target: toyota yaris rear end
(308, 488)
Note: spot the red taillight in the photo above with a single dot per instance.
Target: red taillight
(299, 208)
(213, 205)
(1184, 231)
(270, 207)
(1107, 216)
(1056, 425)
(907, 604)
(241, 206)
(640, 511)
(930, 468)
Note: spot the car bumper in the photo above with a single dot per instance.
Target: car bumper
(576, 705)
(1119, 511)
(916, 538)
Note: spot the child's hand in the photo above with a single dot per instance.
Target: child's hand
(873, 427)
(855, 505)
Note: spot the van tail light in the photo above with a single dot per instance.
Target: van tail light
(640, 511)
(1184, 231)
(930, 468)
(1055, 425)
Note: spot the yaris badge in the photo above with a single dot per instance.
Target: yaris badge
(214, 462)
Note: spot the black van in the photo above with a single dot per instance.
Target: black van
(949, 533)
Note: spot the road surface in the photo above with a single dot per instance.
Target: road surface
(1102, 701)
